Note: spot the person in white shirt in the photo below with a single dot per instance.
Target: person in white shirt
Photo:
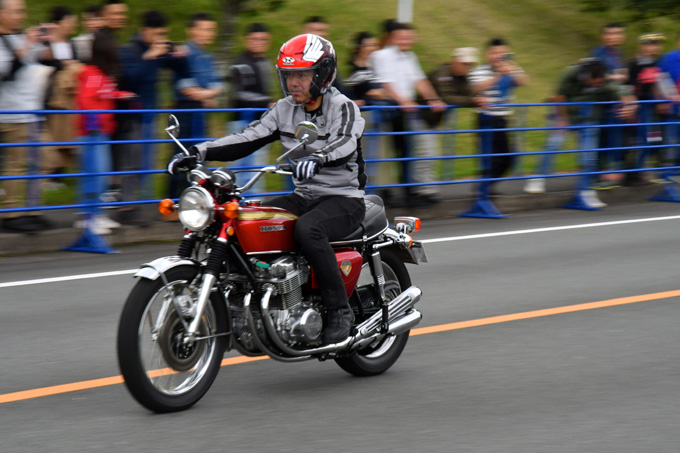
(400, 75)
(21, 88)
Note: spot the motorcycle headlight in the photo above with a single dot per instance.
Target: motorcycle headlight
(196, 208)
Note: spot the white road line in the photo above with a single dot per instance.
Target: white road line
(67, 278)
(543, 230)
(426, 241)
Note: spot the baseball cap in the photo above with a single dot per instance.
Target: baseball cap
(646, 38)
(466, 54)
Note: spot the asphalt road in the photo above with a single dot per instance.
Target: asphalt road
(581, 379)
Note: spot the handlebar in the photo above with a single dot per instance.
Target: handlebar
(283, 169)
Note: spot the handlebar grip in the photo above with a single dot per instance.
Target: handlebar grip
(286, 167)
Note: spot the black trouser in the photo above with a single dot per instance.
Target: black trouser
(496, 166)
(321, 221)
(398, 124)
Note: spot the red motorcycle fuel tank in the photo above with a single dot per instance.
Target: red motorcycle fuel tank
(349, 262)
(265, 229)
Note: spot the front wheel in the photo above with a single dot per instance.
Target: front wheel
(162, 372)
(378, 358)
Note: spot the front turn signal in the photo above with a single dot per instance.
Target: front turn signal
(166, 207)
(232, 209)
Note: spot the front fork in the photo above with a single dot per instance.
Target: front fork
(212, 270)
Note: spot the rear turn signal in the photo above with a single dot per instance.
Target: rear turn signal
(407, 225)
(166, 207)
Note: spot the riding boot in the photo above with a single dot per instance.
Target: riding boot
(338, 325)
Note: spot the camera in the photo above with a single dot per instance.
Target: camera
(508, 56)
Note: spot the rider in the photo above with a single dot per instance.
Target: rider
(329, 173)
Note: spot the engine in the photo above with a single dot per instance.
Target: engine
(298, 321)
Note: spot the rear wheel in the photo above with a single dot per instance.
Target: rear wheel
(162, 372)
(380, 356)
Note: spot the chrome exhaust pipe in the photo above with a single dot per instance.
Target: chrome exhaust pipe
(403, 302)
(405, 324)
(367, 331)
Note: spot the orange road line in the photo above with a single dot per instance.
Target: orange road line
(86, 385)
(545, 312)
(104, 382)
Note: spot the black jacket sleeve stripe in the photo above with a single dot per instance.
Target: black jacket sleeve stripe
(230, 153)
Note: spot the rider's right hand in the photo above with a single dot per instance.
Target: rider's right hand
(180, 162)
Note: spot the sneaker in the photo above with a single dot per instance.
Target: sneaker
(95, 226)
(535, 185)
(23, 224)
(338, 326)
(591, 200)
(105, 221)
(99, 230)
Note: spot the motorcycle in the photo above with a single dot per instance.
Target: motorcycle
(239, 282)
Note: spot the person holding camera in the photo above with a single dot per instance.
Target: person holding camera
(495, 83)
(142, 59)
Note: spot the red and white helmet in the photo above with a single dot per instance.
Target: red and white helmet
(304, 53)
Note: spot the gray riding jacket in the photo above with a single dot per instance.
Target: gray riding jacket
(340, 128)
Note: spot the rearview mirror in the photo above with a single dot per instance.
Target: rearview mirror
(306, 132)
(173, 126)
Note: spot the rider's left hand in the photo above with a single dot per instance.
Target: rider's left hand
(180, 162)
(308, 166)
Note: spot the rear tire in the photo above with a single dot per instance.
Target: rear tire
(378, 358)
(162, 373)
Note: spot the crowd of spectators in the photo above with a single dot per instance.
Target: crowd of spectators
(50, 67)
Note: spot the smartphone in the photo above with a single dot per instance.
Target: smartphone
(508, 56)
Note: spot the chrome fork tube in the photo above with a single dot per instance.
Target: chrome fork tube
(203, 297)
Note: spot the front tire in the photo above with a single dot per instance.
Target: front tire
(160, 371)
(378, 358)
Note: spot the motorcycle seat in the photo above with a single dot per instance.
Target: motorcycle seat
(375, 221)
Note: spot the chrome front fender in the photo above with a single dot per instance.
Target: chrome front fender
(159, 266)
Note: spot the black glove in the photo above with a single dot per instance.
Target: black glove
(308, 166)
(180, 162)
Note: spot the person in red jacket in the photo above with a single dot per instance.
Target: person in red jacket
(97, 90)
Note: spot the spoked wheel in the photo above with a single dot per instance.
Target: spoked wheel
(378, 357)
(161, 370)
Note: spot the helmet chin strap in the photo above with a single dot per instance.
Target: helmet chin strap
(313, 103)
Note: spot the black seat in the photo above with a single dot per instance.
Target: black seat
(374, 221)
